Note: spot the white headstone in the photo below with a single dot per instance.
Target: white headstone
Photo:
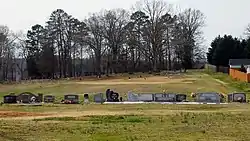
(132, 97)
(139, 97)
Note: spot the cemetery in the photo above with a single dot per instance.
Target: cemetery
(112, 97)
(92, 109)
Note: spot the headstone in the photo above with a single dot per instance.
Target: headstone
(181, 97)
(49, 99)
(208, 97)
(114, 97)
(239, 97)
(165, 97)
(132, 97)
(98, 98)
(9, 99)
(71, 99)
(140, 97)
(86, 98)
(25, 98)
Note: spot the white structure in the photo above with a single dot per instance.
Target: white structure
(248, 69)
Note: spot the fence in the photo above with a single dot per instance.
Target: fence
(214, 68)
(238, 75)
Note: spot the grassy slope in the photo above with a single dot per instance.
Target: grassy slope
(201, 82)
(141, 122)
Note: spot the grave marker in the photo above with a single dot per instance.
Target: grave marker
(98, 98)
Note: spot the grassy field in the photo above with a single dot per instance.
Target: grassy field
(152, 122)
(182, 83)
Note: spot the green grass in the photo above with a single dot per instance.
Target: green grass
(147, 122)
(188, 126)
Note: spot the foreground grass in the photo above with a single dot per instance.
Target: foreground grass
(164, 122)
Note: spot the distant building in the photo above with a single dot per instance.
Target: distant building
(236, 69)
(236, 63)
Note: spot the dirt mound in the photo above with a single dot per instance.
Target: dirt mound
(5, 114)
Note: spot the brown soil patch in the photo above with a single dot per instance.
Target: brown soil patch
(7, 114)
(30, 116)
(149, 80)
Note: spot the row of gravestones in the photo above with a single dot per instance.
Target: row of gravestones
(112, 96)
(29, 98)
(208, 97)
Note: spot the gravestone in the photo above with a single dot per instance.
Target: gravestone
(98, 98)
(27, 97)
(71, 99)
(181, 97)
(49, 99)
(165, 97)
(9, 99)
(112, 96)
(86, 98)
(132, 97)
(140, 97)
(209, 97)
(237, 97)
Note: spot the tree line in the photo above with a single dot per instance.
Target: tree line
(149, 38)
(224, 48)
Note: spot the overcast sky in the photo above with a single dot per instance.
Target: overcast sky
(222, 16)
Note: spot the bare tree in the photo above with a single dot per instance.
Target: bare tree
(96, 39)
(7, 51)
(21, 53)
(158, 15)
(189, 35)
(114, 23)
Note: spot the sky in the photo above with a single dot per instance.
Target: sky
(222, 16)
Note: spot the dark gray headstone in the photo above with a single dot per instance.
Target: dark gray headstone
(239, 97)
(49, 99)
(9, 99)
(71, 99)
(181, 97)
(165, 97)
